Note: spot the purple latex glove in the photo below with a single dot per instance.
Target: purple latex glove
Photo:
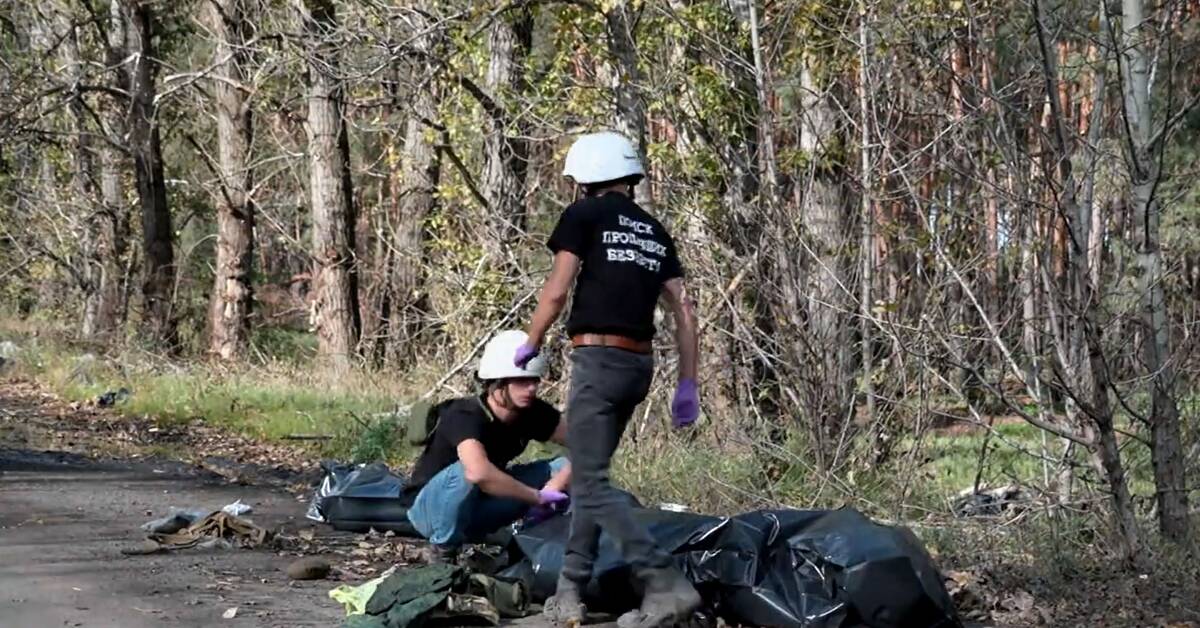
(685, 408)
(543, 512)
(551, 497)
(538, 514)
(525, 353)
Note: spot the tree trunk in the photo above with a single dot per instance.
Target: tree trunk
(115, 284)
(1145, 176)
(991, 193)
(867, 218)
(1084, 279)
(419, 180)
(105, 309)
(1029, 304)
(816, 286)
(374, 238)
(1106, 453)
(754, 380)
(158, 238)
(505, 151)
(334, 281)
(376, 296)
(83, 185)
(631, 105)
(232, 296)
(1094, 377)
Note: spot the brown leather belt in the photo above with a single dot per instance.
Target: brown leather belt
(612, 340)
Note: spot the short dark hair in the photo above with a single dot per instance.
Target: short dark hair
(632, 180)
(488, 385)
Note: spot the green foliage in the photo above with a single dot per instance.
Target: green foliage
(378, 440)
(281, 344)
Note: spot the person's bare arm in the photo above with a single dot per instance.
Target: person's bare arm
(686, 337)
(559, 437)
(561, 480)
(488, 477)
(553, 297)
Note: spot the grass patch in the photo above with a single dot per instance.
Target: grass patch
(954, 459)
(283, 344)
(270, 402)
(1019, 453)
(704, 479)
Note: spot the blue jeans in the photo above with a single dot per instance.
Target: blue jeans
(449, 510)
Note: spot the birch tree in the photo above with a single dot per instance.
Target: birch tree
(1143, 154)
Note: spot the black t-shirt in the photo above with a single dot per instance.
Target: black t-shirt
(468, 417)
(626, 257)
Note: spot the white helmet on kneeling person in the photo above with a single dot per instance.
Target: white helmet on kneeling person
(511, 386)
(497, 360)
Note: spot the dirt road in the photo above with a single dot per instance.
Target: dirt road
(64, 520)
(76, 484)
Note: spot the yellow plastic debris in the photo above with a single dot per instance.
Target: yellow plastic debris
(355, 598)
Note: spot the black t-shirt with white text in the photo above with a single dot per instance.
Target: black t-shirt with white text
(468, 418)
(626, 257)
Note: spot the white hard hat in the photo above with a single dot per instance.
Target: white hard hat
(605, 156)
(497, 360)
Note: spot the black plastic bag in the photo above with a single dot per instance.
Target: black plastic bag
(814, 569)
(358, 498)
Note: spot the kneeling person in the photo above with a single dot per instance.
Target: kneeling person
(464, 487)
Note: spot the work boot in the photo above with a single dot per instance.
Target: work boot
(669, 599)
(442, 554)
(566, 607)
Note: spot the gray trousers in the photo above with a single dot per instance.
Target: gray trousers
(606, 385)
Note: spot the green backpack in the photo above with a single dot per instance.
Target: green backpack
(421, 422)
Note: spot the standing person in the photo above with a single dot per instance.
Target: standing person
(462, 487)
(620, 260)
